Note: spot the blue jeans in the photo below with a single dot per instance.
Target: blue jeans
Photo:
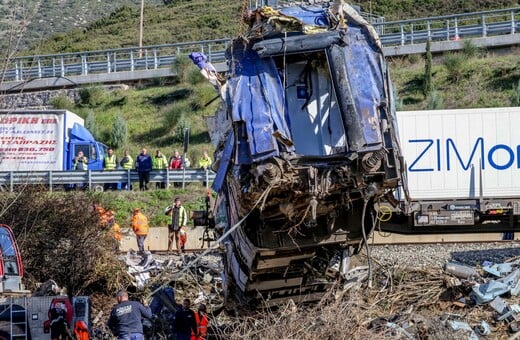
(131, 336)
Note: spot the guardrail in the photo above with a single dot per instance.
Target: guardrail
(392, 33)
(95, 179)
(450, 27)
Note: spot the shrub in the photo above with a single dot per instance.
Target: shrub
(90, 124)
(91, 96)
(181, 127)
(428, 82)
(434, 101)
(119, 132)
(181, 66)
(515, 98)
(469, 49)
(60, 238)
(62, 102)
(454, 64)
(194, 76)
(175, 113)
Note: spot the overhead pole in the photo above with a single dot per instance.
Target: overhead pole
(141, 30)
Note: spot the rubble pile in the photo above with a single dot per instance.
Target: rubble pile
(162, 282)
(457, 301)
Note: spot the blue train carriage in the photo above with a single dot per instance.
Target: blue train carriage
(307, 143)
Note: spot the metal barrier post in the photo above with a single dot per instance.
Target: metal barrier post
(89, 180)
(402, 35)
(155, 61)
(115, 62)
(513, 24)
(39, 68)
(50, 180)
(16, 72)
(183, 178)
(167, 178)
(131, 60)
(448, 30)
(11, 185)
(484, 29)
(62, 68)
(456, 29)
(53, 67)
(108, 62)
(411, 33)
(429, 30)
(84, 66)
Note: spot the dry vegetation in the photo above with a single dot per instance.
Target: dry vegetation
(415, 301)
(60, 238)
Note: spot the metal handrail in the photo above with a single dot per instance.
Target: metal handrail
(94, 179)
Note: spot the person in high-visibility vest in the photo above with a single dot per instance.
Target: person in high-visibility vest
(109, 164)
(201, 318)
(160, 163)
(127, 163)
(140, 228)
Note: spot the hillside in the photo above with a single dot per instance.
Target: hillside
(72, 25)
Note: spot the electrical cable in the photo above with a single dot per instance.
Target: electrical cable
(369, 258)
(216, 244)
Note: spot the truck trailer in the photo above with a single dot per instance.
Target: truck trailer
(463, 172)
(46, 140)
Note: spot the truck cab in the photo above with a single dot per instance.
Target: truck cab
(82, 140)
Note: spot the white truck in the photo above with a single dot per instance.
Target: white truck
(44, 140)
(463, 171)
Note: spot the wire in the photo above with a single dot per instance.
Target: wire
(216, 244)
(369, 258)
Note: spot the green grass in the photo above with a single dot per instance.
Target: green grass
(94, 25)
(481, 80)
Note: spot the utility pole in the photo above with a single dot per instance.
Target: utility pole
(141, 30)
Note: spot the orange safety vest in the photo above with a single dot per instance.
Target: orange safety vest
(117, 232)
(81, 330)
(202, 326)
(140, 224)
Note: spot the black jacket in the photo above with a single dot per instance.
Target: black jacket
(185, 321)
(125, 318)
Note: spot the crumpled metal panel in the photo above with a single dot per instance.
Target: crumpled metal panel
(363, 65)
(255, 96)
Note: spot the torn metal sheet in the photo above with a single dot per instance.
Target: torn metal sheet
(499, 269)
(483, 293)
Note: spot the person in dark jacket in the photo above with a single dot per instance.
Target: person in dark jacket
(125, 318)
(185, 322)
(143, 165)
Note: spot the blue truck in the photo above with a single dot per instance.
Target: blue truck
(45, 140)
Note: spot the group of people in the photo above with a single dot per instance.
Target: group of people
(144, 164)
(177, 234)
(125, 320)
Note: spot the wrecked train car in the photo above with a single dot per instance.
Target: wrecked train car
(306, 144)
